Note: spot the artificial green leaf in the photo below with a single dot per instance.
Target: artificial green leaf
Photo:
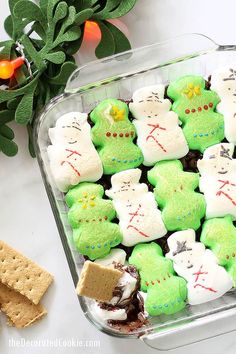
(25, 9)
(66, 70)
(8, 25)
(69, 20)
(83, 16)
(72, 47)
(24, 110)
(84, 4)
(18, 24)
(38, 43)
(28, 9)
(123, 8)
(47, 94)
(106, 46)
(12, 104)
(30, 141)
(121, 41)
(71, 35)
(6, 116)
(41, 100)
(56, 58)
(32, 53)
(5, 49)
(50, 9)
(37, 28)
(8, 147)
(12, 3)
(6, 95)
(104, 12)
(61, 11)
(6, 132)
(43, 6)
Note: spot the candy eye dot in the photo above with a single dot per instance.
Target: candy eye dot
(229, 88)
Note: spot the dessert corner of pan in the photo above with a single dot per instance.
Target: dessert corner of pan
(150, 186)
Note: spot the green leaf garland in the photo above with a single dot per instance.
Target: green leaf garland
(49, 33)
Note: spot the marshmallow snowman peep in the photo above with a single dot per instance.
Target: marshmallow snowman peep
(72, 156)
(206, 280)
(223, 81)
(136, 208)
(218, 180)
(159, 134)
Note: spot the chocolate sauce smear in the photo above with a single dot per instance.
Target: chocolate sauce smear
(133, 305)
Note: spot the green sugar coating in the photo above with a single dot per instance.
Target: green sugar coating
(182, 207)
(90, 217)
(166, 292)
(195, 107)
(113, 134)
(219, 234)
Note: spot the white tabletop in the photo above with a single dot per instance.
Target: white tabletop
(26, 219)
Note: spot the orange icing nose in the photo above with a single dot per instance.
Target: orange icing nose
(7, 67)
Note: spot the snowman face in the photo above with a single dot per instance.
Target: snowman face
(148, 102)
(218, 164)
(227, 85)
(127, 190)
(149, 109)
(125, 185)
(70, 129)
(70, 133)
(184, 259)
(228, 89)
(187, 259)
(185, 254)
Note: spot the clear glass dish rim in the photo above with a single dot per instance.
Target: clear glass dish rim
(82, 89)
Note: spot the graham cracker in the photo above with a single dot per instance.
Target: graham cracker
(20, 311)
(22, 274)
(98, 282)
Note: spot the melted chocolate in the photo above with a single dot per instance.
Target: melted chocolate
(133, 305)
(190, 160)
(119, 290)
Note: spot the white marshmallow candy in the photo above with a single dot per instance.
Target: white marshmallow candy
(72, 156)
(103, 315)
(218, 180)
(206, 280)
(158, 131)
(223, 81)
(117, 255)
(139, 218)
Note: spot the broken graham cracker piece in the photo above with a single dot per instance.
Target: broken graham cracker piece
(98, 282)
(22, 274)
(20, 311)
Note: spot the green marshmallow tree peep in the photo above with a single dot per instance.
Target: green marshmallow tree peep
(219, 234)
(113, 134)
(195, 106)
(166, 292)
(90, 217)
(182, 207)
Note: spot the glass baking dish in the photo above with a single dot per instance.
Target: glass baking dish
(118, 76)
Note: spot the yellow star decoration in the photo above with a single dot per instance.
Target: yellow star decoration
(87, 201)
(117, 114)
(192, 90)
